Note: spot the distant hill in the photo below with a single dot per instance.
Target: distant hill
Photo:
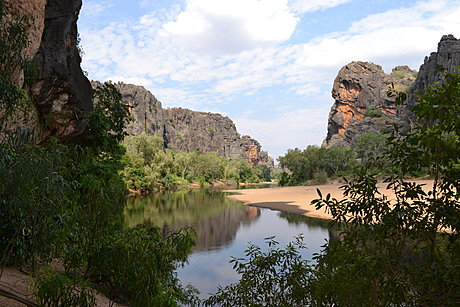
(184, 130)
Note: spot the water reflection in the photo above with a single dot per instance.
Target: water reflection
(215, 218)
(311, 223)
(224, 227)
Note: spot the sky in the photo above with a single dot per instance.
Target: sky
(269, 65)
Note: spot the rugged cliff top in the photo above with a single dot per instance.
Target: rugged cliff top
(360, 92)
(447, 58)
(361, 103)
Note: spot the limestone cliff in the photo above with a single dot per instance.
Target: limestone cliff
(61, 93)
(185, 130)
(361, 103)
(447, 58)
(188, 130)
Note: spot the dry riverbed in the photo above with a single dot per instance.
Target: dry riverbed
(298, 199)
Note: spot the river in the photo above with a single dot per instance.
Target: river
(224, 228)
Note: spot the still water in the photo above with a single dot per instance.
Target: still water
(224, 228)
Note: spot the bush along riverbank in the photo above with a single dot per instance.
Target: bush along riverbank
(148, 168)
(64, 201)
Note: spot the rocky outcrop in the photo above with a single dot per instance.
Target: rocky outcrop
(188, 130)
(254, 153)
(446, 59)
(361, 103)
(61, 92)
(145, 109)
(34, 10)
(184, 130)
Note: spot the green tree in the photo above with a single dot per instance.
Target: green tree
(391, 252)
(315, 163)
(396, 252)
(273, 278)
(13, 41)
(370, 146)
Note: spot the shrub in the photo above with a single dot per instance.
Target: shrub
(137, 266)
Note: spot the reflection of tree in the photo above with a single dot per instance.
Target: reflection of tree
(214, 217)
(312, 223)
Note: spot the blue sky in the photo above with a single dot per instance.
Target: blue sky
(267, 64)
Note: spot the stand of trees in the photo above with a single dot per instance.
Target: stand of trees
(317, 164)
(401, 252)
(148, 167)
(64, 201)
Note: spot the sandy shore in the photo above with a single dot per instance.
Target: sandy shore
(298, 199)
(20, 284)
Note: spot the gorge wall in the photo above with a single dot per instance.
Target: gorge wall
(360, 92)
(61, 93)
(447, 58)
(185, 130)
(361, 103)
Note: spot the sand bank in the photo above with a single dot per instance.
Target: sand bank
(298, 199)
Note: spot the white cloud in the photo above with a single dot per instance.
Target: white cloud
(303, 6)
(287, 130)
(229, 26)
(96, 7)
(138, 51)
(142, 53)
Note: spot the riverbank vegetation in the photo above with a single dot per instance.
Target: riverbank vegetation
(61, 203)
(315, 165)
(148, 167)
(401, 252)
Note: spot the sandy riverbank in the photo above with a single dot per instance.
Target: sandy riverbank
(298, 199)
(20, 284)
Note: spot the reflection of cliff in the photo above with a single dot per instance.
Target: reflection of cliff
(220, 230)
(215, 218)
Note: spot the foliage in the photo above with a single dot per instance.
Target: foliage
(264, 172)
(370, 146)
(392, 252)
(276, 277)
(105, 124)
(138, 265)
(315, 163)
(398, 74)
(372, 111)
(148, 167)
(34, 199)
(56, 289)
(13, 41)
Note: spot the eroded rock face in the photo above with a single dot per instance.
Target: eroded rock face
(447, 58)
(35, 11)
(145, 109)
(62, 93)
(184, 130)
(187, 130)
(361, 103)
